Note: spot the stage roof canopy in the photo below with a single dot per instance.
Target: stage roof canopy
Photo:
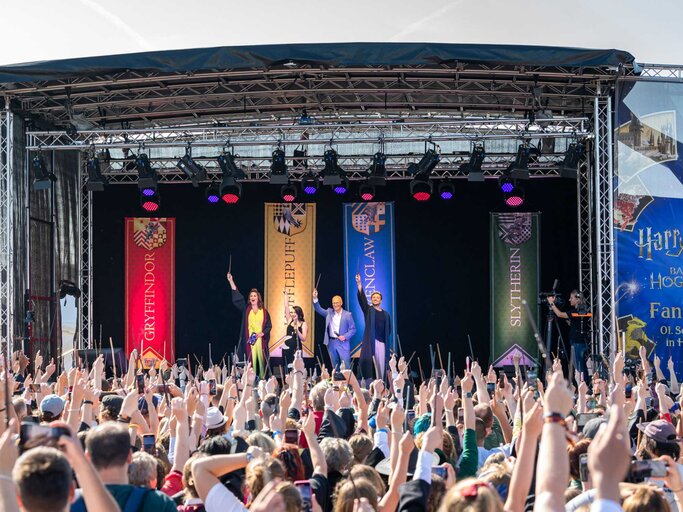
(333, 82)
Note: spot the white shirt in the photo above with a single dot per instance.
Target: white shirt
(334, 324)
(220, 499)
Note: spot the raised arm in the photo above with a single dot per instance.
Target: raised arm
(237, 298)
(316, 304)
(207, 470)
(317, 457)
(362, 299)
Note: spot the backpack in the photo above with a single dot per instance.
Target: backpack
(133, 503)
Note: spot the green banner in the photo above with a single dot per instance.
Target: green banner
(514, 277)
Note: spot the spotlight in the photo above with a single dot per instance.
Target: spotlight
(332, 174)
(212, 193)
(378, 171)
(506, 184)
(147, 177)
(192, 169)
(426, 163)
(310, 183)
(520, 167)
(44, 178)
(367, 191)
(278, 168)
(569, 168)
(96, 181)
(446, 190)
(230, 190)
(150, 202)
(288, 193)
(515, 197)
(473, 168)
(226, 161)
(342, 187)
(421, 188)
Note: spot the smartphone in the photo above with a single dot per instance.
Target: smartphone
(628, 390)
(149, 444)
(35, 388)
(583, 467)
(648, 401)
(490, 388)
(582, 419)
(140, 383)
(440, 471)
(32, 435)
(338, 376)
(292, 436)
(642, 469)
(163, 388)
(304, 487)
(531, 378)
(212, 387)
(461, 415)
(410, 414)
(648, 379)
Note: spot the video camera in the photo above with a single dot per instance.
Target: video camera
(543, 296)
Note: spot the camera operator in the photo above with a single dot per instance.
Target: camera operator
(577, 336)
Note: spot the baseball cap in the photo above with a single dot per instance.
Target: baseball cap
(52, 404)
(215, 418)
(590, 429)
(659, 430)
(112, 404)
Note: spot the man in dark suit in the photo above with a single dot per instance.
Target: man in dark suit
(339, 329)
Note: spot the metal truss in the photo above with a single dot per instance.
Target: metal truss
(585, 232)
(6, 232)
(85, 269)
(604, 227)
(663, 71)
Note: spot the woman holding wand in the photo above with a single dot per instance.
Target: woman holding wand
(255, 328)
(297, 327)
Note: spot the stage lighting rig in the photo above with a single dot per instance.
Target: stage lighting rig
(147, 177)
(426, 164)
(226, 161)
(377, 172)
(446, 190)
(150, 202)
(342, 187)
(367, 191)
(192, 169)
(288, 193)
(515, 197)
(96, 182)
(278, 168)
(473, 168)
(506, 183)
(333, 174)
(43, 177)
(421, 188)
(520, 166)
(310, 183)
(569, 167)
(212, 193)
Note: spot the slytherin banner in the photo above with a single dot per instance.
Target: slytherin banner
(514, 277)
(369, 250)
(648, 220)
(150, 288)
(289, 267)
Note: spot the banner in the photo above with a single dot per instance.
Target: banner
(514, 277)
(289, 267)
(647, 221)
(150, 288)
(369, 251)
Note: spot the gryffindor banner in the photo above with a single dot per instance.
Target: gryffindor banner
(289, 268)
(150, 288)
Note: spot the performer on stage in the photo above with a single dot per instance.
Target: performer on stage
(255, 328)
(339, 329)
(297, 327)
(578, 332)
(376, 335)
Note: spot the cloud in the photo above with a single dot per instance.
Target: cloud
(119, 23)
(417, 25)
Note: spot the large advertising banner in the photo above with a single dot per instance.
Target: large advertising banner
(514, 277)
(289, 268)
(648, 220)
(369, 250)
(150, 288)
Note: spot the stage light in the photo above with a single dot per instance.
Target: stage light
(310, 183)
(278, 168)
(426, 164)
(506, 184)
(150, 202)
(520, 167)
(44, 178)
(377, 172)
(147, 177)
(288, 193)
(332, 174)
(367, 191)
(96, 181)
(473, 168)
(569, 167)
(212, 193)
(226, 161)
(515, 197)
(230, 190)
(342, 187)
(192, 169)
(446, 190)
(421, 188)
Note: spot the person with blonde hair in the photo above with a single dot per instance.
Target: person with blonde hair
(472, 495)
(354, 489)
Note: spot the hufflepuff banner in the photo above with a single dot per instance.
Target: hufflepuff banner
(289, 268)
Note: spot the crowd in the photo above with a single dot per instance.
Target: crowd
(221, 439)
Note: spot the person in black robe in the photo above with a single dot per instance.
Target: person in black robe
(374, 351)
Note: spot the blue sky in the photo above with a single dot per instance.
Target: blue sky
(74, 28)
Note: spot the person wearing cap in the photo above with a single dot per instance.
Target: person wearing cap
(110, 408)
(215, 422)
(659, 438)
(51, 408)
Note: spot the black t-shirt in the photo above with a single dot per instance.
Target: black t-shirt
(380, 325)
(321, 488)
(579, 326)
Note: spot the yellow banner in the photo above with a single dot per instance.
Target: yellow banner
(289, 270)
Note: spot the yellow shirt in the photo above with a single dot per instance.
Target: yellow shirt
(255, 320)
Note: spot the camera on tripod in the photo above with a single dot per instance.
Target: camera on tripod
(543, 298)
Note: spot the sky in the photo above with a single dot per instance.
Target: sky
(36, 30)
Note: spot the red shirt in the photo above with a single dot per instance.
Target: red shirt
(318, 415)
(173, 483)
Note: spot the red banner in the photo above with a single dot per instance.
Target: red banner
(150, 288)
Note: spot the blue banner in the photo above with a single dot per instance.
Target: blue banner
(369, 251)
(648, 220)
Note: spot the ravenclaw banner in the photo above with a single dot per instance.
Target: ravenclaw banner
(150, 288)
(514, 277)
(289, 268)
